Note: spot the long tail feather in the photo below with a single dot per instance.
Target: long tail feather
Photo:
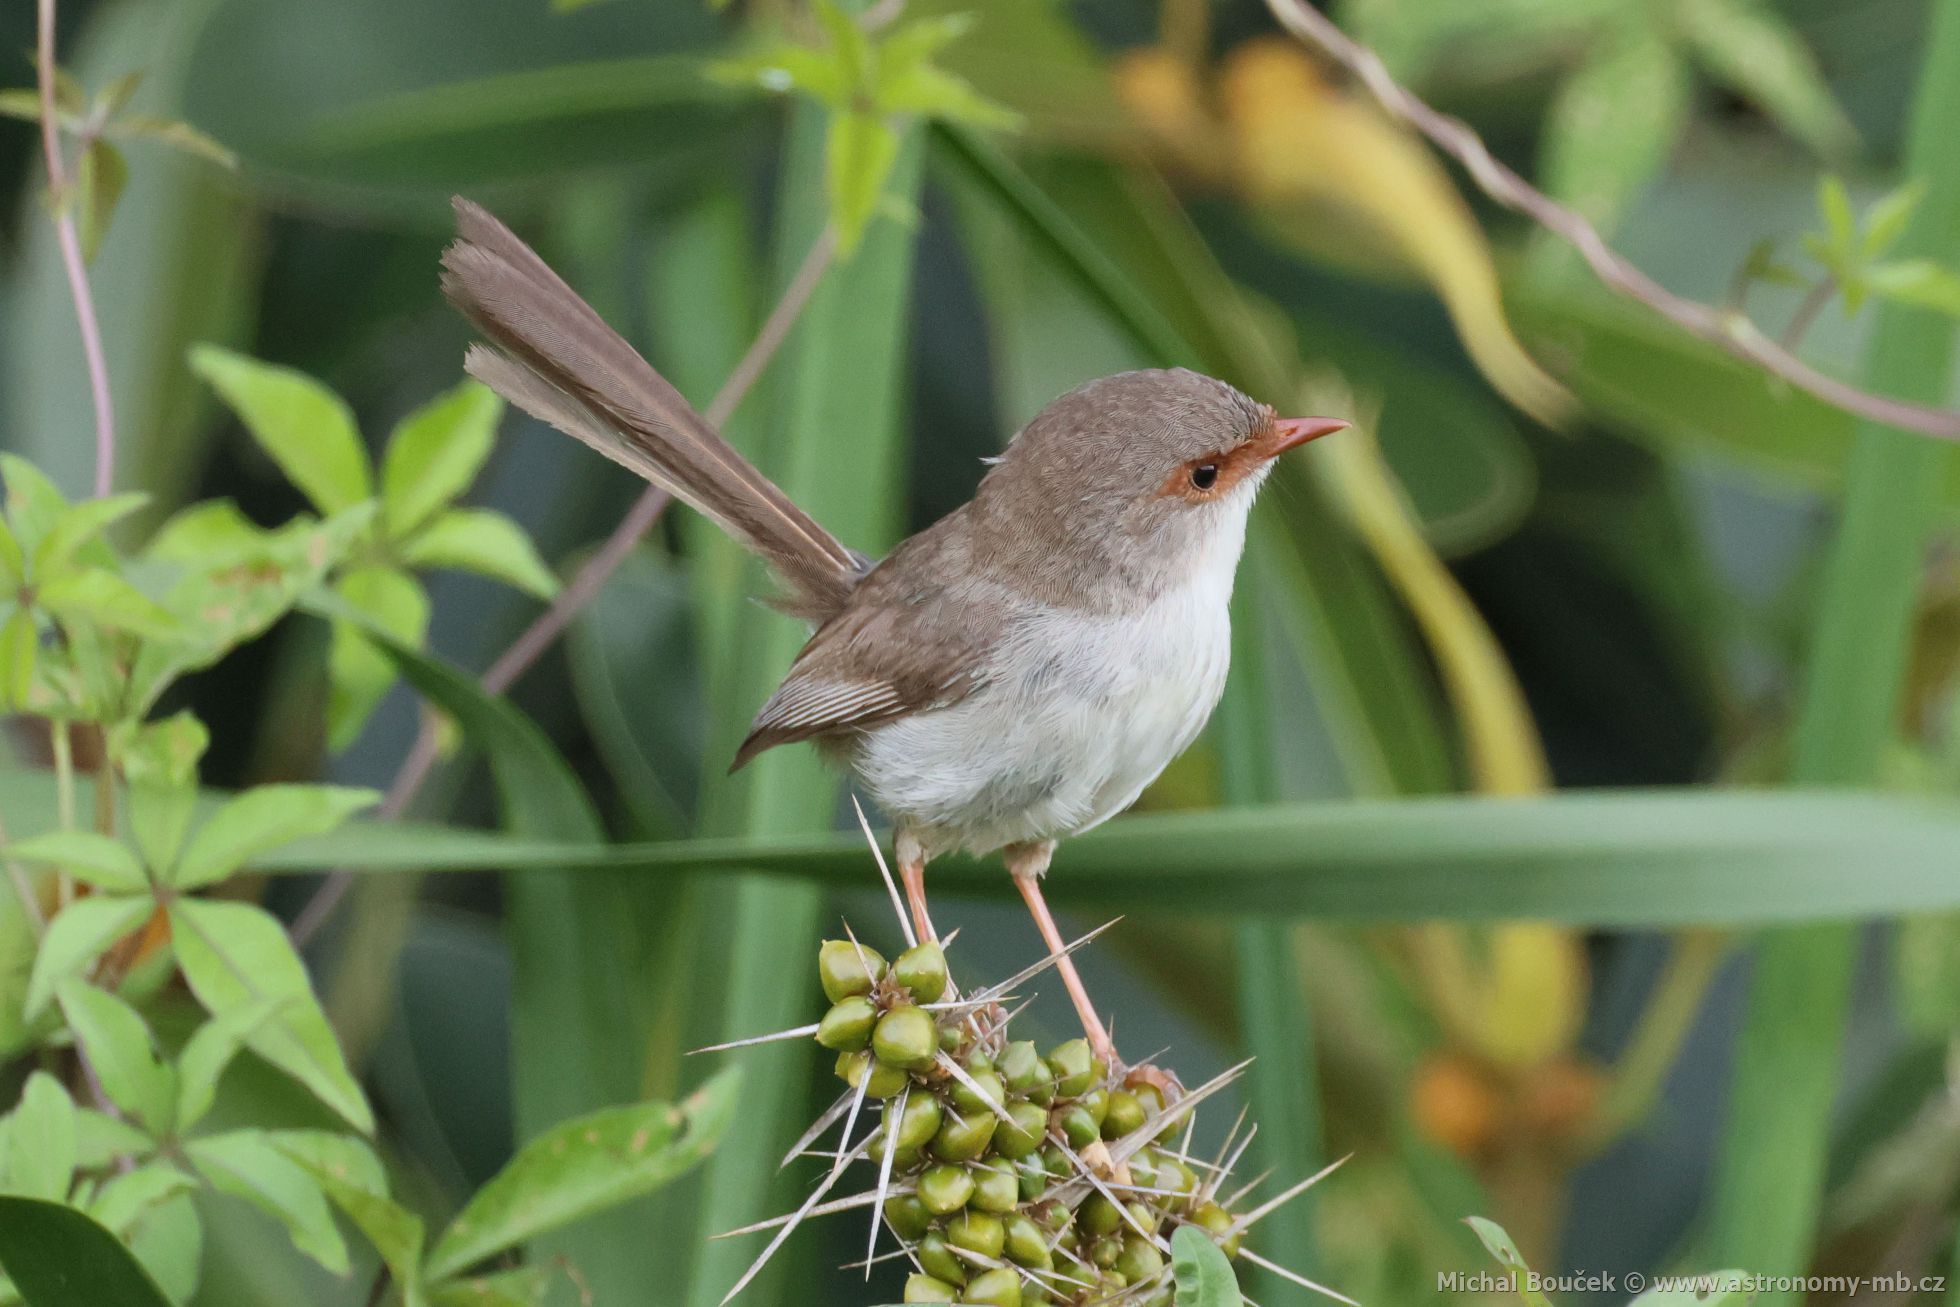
(555, 358)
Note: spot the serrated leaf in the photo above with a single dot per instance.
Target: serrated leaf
(99, 860)
(79, 526)
(860, 150)
(41, 1140)
(1498, 1243)
(97, 597)
(1614, 121)
(583, 1166)
(122, 1054)
(1204, 1276)
(358, 676)
(1919, 282)
(20, 651)
(1749, 48)
(210, 1050)
(435, 453)
(486, 542)
(304, 427)
(233, 954)
(262, 819)
(100, 179)
(75, 938)
(248, 1165)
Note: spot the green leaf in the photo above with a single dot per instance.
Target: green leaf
(210, 1050)
(209, 534)
(41, 1140)
(58, 1257)
(1615, 121)
(303, 427)
(484, 541)
(1498, 1243)
(97, 597)
(80, 526)
(584, 1166)
(159, 760)
(528, 1286)
(126, 1198)
(96, 859)
(1834, 205)
(859, 153)
(1888, 217)
(100, 179)
(395, 1232)
(234, 954)
(248, 1164)
(435, 453)
(1919, 282)
(34, 505)
(261, 819)
(329, 1153)
(122, 1053)
(22, 103)
(358, 674)
(935, 93)
(13, 564)
(1926, 975)
(20, 648)
(102, 1140)
(78, 933)
(175, 134)
(1204, 1276)
(1751, 49)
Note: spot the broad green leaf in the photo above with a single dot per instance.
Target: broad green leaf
(584, 1166)
(435, 453)
(1615, 120)
(58, 1257)
(484, 541)
(94, 596)
(129, 1196)
(210, 1050)
(160, 763)
(352, 1179)
(1498, 1243)
(1204, 1276)
(78, 933)
(358, 674)
(234, 954)
(97, 859)
(1751, 49)
(34, 505)
(343, 1157)
(101, 1140)
(248, 1165)
(122, 1054)
(100, 179)
(860, 151)
(208, 534)
(41, 1140)
(303, 427)
(263, 818)
(1926, 975)
(78, 527)
(20, 648)
(1919, 282)
(169, 1242)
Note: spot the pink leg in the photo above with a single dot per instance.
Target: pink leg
(1027, 862)
(912, 873)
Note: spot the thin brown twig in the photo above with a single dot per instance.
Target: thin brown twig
(1727, 328)
(71, 259)
(544, 631)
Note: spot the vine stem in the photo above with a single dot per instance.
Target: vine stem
(1728, 328)
(542, 633)
(71, 259)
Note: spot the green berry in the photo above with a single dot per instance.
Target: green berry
(944, 1189)
(963, 1136)
(986, 1093)
(1104, 1252)
(951, 1036)
(1125, 1114)
(1097, 1103)
(848, 969)
(1215, 1221)
(1000, 1287)
(906, 1037)
(907, 1216)
(1024, 1245)
(885, 1080)
(939, 1261)
(977, 1232)
(1141, 1217)
(1021, 1134)
(1022, 1068)
(925, 1288)
(1079, 1126)
(1098, 1216)
(979, 1061)
(847, 1026)
(996, 1188)
(1075, 1067)
(915, 1127)
(1143, 1168)
(1032, 1178)
(923, 971)
(1140, 1260)
(1055, 1160)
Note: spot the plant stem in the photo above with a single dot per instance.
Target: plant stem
(524, 652)
(1726, 328)
(30, 901)
(1807, 311)
(64, 797)
(71, 259)
(1656, 1041)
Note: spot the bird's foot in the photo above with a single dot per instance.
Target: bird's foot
(1027, 862)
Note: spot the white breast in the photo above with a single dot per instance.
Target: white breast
(1080, 712)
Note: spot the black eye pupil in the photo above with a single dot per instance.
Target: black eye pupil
(1204, 476)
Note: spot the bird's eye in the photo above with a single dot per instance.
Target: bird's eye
(1204, 476)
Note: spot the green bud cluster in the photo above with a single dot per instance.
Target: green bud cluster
(985, 1163)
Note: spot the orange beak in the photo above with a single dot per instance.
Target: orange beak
(1288, 432)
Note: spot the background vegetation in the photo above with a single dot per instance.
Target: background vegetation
(1696, 1009)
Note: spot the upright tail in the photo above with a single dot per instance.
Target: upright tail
(556, 359)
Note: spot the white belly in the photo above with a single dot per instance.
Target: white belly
(1079, 714)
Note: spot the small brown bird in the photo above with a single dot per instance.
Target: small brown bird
(1013, 674)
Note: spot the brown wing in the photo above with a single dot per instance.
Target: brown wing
(913, 636)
